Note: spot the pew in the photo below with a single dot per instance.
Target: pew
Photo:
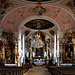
(67, 70)
(6, 72)
(13, 70)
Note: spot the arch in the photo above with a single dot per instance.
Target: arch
(38, 17)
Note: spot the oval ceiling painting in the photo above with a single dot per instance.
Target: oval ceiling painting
(50, 1)
(39, 24)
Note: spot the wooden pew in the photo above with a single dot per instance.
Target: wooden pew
(6, 72)
(61, 70)
(13, 70)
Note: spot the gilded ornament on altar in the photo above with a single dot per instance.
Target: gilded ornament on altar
(1, 56)
(7, 42)
(61, 48)
(71, 54)
(66, 54)
(9, 58)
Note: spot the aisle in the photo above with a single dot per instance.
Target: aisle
(37, 71)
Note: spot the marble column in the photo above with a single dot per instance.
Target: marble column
(30, 52)
(19, 49)
(47, 51)
(74, 47)
(54, 49)
(50, 52)
(16, 52)
(44, 51)
(23, 49)
(3, 49)
(35, 51)
(57, 48)
(3, 53)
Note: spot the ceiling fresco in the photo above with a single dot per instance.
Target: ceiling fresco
(57, 11)
(39, 24)
(50, 1)
(15, 17)
(17, 11)
(37, 0)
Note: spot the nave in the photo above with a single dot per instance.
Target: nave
(37, 71)
(38, 33)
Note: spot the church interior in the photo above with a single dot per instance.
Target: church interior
(37, 37)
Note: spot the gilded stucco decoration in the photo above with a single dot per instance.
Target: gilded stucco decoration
(70, 4)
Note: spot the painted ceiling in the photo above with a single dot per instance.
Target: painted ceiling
(39, 0)
(19, 12)
(39, 24)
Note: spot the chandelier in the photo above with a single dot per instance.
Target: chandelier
(37, 42)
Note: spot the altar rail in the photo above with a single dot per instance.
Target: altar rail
(61, 70)
(13, 70)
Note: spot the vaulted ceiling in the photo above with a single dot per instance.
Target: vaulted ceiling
(50, 1)
(19, 12)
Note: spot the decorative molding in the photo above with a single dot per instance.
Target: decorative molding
(65, 22)
(10, 22)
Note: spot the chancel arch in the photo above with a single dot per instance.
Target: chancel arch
(44, 41)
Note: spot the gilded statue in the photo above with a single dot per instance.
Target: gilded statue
(71, 54)
(66, 54)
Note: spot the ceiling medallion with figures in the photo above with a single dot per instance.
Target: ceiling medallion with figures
(42, 24)
(34, 1)
(39, 10)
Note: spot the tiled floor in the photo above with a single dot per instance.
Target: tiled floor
(37, 71)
